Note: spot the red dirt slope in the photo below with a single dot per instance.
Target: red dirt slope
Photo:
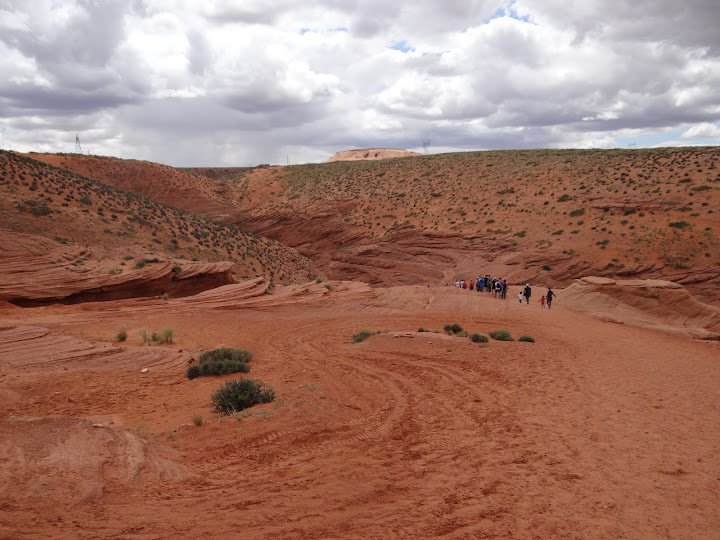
(160, 183)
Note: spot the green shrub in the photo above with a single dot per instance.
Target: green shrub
(226, 354)
(421, 329)
(122, 334)
(679, 224)
(479, 338)
(216, 367)
(501, 335)
(527, 338)
(578, 212)
(362, 335)
(236, 395)
(454, 328)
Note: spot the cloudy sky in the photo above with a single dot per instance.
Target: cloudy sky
(243, 82)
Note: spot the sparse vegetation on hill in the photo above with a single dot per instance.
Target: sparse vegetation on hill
(646, 211)
(41, 199)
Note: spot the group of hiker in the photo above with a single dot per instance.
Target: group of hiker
(498, 287)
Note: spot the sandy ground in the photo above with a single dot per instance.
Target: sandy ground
(596, 430)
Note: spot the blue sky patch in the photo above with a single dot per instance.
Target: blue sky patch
(402, 46)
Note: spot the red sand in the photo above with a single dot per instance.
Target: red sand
(596, 430)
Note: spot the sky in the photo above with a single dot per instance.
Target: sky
(238, 83)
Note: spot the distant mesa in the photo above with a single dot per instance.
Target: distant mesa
(371, 153)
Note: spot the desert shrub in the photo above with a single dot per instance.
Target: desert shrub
(529, 339)
(164, 296)
(236, 395)
(578, 212)
(166, 335)
(547, 268)
(679, 224)
(226, 354)
(479, 338)
(318, 280)
(213, 368)
(122, 334)
(501, 335)
(362, 335)
(454, 328)
(198, 420)
(421, 329)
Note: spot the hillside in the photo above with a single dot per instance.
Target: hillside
(545, 216)
(160, 183)
(71, 209)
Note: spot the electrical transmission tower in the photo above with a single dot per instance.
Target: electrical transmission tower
(78, 149)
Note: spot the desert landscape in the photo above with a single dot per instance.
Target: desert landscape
(398, 408)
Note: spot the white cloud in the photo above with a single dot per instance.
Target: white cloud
(704, 130)
(253, 81)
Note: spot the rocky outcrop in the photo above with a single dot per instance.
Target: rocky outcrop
(35, 348)
(37, 271)
(371, 153)
(661, 305)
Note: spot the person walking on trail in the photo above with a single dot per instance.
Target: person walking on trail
(503, 294)
(498, 288)
(520, 297)
(550, 294)
(527, 292)
(542, 301)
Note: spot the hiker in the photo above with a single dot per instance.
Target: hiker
(549, 296)
(498, 288)
(504, 290)
(527, 292)
(457, 283)
(542, 301)
(464, 284)
(520, 297)
(472, 284)
(479, 285)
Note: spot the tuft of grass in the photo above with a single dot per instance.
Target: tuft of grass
(198, 420)
(237, 395)
(362, 335)
(501, 335)
(166, 335)
(143, 333)
(479, 338)
(122, 334)
(164, 296)
(529, 339)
